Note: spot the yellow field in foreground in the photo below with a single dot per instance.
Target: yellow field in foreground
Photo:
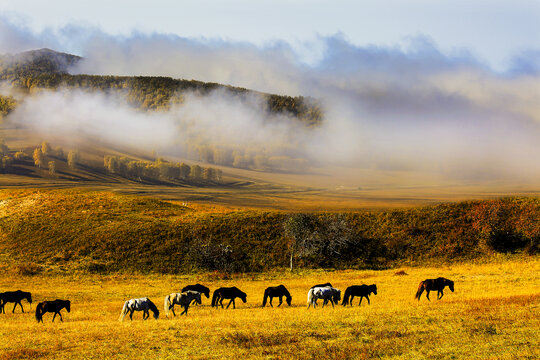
(494, 313)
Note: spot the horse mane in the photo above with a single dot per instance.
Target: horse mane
(153, 307)
(287, 293)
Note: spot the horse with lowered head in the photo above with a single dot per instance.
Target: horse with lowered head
(183, 299)
(227, 293)
(52, 306)
(358, 290)
(322, 285)
(199, 288)
(14, 297)
(277, 291)
(140, 304)
(434, 284)
(326, 293)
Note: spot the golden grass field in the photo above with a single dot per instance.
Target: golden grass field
(493, 314)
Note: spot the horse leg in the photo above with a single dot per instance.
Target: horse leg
(131, 311)
(427, 294)
(271, 298)
(368, 302)
(280, 301)
(332, 302)
(441, 293)
(54, 316)
(221, 302)
(172, 309)
(360, 302)
(59, 314)
(14, 306)
(185, 310)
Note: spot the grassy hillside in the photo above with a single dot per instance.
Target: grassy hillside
(101, 232)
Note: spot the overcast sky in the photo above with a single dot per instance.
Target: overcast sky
(493, 31)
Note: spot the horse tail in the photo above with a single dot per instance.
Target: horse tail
(124, 311)
(420, 291)
(167, 304)
(215, 298)
(346, 297)
(265, 297)
(310, 297)
(39, 315)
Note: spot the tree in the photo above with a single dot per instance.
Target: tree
(3, 147)
(45, 148)
(39, 159)
(185, 170)
(196, 172)
(52, 168)
(72, 158)
(299, 228)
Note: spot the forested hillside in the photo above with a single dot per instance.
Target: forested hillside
(47, 69)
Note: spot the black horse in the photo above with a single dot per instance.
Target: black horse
(227, 293)
(14, 297)
(52, 306)
(358, 290)
(277, 291)
(321, 285)
(434, 284)
(199, 288)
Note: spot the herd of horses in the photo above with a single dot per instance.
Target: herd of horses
(193, 294)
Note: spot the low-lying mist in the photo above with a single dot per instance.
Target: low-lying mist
(402, 108)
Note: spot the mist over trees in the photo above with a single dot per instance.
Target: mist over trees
(159, 170)
(33, 72)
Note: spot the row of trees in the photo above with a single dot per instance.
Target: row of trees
(159, 169)
(244, 157)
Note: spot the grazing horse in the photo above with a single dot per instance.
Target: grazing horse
(227, 293)
(183, 299)
(52, 306)
(434, 284)
(199, 288)
(140, 304)
(277, 291)
(326, 293)
(321, 285)
(14, 297)
(358, 290)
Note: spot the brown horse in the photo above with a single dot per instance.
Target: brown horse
(52, 306)
(434, 284)
(14, 297)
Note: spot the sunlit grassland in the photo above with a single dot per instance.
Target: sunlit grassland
(494, 313)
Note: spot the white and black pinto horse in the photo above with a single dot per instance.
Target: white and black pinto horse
(140, 304)
(183, 299)
(326, 293)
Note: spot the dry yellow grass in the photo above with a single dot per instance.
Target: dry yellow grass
(494, 314)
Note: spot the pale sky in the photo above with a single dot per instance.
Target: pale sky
(493, 31)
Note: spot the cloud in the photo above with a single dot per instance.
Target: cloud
(404, 107)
